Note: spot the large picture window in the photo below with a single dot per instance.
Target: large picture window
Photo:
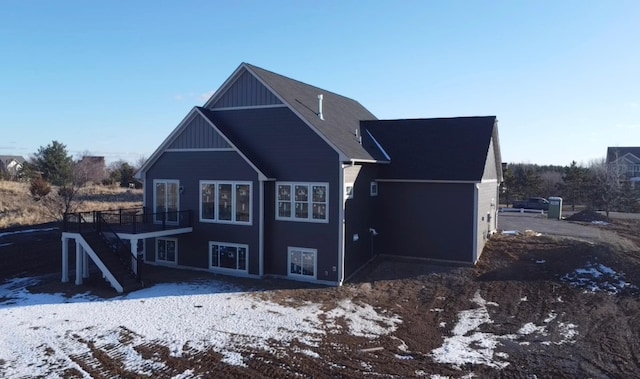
(167, 250)
(302, 201)
(228, 256)
(225, 202)
(302, 262)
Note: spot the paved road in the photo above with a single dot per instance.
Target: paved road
(540, 223)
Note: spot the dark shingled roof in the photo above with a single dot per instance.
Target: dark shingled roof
(614, 153)
(342, 115)
(447, 149)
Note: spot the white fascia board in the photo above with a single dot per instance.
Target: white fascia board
(354, 161)
(261, 175)
(167, 141)
(429, 181)
(379, 146)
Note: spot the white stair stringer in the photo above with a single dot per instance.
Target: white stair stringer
(105, 272)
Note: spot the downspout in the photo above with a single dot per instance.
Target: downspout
(261, 228)
(341, 225)
(476, 190)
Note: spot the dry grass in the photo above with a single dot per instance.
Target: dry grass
(17, 208)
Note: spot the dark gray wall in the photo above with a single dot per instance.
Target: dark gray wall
(293, 152)
(246, 91)
(360, 214)
(426, 220)
(190, 168)
(197, 135)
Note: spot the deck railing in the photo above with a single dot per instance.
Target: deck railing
(131, 220)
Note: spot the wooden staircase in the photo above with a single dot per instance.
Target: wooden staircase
(110, 261)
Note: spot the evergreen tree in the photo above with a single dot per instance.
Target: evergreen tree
(54, 164)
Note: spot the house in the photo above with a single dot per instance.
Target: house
(285, 179)
(626, 160)
(11, 165)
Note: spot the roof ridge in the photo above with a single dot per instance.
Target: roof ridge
(324, 91)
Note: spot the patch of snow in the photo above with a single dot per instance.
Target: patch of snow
(552, 316)
(27, 231)
(441, 298)
(510, 232)
(443, 324)
(403, 357)
(436, 310)
(184, 317)
(559, 299)
(469, 345)
(6, 244)
(524, 298)
(540, 261)
(530, 328)
(362, 319)
(604, 223)
(597, 278)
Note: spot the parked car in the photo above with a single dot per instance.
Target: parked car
(532, 203)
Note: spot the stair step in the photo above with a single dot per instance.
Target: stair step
(112, 261)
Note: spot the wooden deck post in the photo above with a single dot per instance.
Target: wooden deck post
(65, 259)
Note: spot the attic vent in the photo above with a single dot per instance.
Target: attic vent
(320, 107)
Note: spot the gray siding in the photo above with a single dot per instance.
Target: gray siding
(190, 168)
(487, 214)
(199, 135)
(360, 214)
(246, 91)
(490, 164)
(426, 220)
(277, 138)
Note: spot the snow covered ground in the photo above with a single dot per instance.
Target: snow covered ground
(41, 333)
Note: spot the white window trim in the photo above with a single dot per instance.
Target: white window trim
(309, 201)
(156, 248)
(155, 200)
(315, 263)
(216, 219)
(347, 194)
(373, 185)
(228, 270)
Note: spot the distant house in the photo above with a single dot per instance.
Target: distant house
(11, 165)
(289, 180)
(626, 160)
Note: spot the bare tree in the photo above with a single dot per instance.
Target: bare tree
(550, 182)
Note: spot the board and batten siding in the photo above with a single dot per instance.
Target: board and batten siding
(199, 134)
(246, 91)
(291, 152)
(190, 167)
(490, 164)
(426, 220)
(360, 215)
(487, 218)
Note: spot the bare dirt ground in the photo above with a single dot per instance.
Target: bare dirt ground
(530, 313)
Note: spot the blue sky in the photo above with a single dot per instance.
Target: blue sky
(114, 78)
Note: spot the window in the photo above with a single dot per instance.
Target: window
(225, 202)
(302, 262)
(166, 200)
(228, 256)
(348, 191)
(167, 250)
(373, 189)
(302, 201)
